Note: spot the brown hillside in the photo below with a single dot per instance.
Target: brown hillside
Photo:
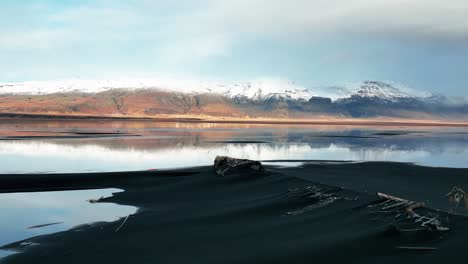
(121, 102)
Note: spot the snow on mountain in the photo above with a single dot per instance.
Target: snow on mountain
(261, 89)
(378, 90)
(257, 90)
(387, 91)
(381, 90)
(334, 92)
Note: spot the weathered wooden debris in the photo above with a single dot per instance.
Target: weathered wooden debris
(402, 207)
(92, 200)
(310, 192)
(315, 196)
(224, 164)
(122, 224)
(457, 195)
(417, 248)
(44, 225)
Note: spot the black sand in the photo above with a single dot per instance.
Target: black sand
(192, 216)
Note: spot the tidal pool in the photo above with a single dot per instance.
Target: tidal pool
(26, 215)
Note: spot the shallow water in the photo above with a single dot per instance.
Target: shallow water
(151, 145)
(26, 215)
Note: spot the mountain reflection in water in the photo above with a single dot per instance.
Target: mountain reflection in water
(151, 145)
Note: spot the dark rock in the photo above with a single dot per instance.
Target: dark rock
(224, 164)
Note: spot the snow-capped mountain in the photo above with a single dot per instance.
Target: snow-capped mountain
(267, 89)
(381, 90)
(257, 90)
(385, 91)
(267, 97)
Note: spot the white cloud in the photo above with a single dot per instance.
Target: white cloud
(290, 20)
(39, 39)
(197, 48)
(208, 28)
(175, 34)
(328, 16)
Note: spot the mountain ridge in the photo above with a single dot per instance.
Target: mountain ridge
(260, 89)
(264, 98)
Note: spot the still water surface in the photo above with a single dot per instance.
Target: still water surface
(151, 145)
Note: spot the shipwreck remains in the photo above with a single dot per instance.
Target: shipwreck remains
(224, 164)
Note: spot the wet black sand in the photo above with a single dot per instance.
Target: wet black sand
(192, 216)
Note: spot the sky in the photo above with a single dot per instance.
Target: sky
(422, 44)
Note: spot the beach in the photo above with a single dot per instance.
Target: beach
(192, 215)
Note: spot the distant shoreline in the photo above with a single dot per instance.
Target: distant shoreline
(233, 120)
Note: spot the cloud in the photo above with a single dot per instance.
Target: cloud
(73, 26)
(233, 20)
(194, 49)
(218, 27)
(172, 35)
(39, 39)
(278, 17)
